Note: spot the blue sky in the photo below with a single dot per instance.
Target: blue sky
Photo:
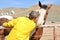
(25, 3)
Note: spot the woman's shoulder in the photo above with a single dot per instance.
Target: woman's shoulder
(22, 17)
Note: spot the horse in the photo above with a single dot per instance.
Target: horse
(5, 18)
(41, 21)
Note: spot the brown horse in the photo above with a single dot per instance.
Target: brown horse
(41, 21)
(7, 30)
(4, 31)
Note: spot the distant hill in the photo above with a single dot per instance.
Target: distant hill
(54, 12)
(8, 10)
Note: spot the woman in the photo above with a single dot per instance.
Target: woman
(22, 26)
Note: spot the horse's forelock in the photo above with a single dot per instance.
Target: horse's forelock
(44, 6)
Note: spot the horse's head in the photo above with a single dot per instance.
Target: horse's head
(5, 18)
(43, 13)
(45, 7)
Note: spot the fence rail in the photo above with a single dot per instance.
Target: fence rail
(51, 25)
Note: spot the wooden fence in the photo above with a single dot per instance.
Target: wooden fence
(54, 29)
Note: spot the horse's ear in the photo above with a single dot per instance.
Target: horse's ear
(49, 6)
(40, 4)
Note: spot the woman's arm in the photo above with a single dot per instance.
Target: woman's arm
(10, 23)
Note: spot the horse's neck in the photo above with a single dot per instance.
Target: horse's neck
(2, 20)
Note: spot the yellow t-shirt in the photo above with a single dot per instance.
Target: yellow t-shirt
(21, 30)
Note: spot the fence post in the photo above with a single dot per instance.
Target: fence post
(55, 35)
